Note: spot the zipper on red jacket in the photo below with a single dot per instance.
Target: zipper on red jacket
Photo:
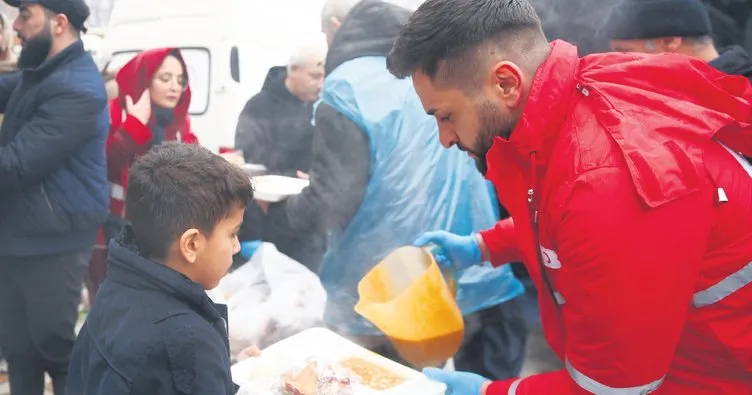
(533, 210)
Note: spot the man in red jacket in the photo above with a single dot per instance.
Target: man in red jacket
(631, 205)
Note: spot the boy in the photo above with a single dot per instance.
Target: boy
(153, 329)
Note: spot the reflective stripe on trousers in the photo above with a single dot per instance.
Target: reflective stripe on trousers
(724, 288)
(597, 388)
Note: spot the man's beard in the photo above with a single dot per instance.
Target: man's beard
(492, 123)
(35, 50)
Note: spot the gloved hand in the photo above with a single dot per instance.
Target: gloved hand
(248, 248)
(458, 383)
(457, 252)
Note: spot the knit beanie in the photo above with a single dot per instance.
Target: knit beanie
(645, 19)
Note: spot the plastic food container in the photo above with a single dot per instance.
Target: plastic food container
(276, 360)
(412, 301)
(273, 188)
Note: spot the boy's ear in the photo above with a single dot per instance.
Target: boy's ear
(190, 244)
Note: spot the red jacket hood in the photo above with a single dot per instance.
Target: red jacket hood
(723, 99)
(135, 76)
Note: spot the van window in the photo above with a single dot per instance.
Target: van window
(198, 61)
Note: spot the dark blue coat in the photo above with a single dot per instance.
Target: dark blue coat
(150, 331)
(53, 171)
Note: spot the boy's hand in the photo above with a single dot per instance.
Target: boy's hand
(248, 352)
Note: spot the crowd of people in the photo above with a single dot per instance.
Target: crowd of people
(615, 188)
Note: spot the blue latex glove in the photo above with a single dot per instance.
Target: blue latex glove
(457, 252)
(458, 383)
(248, 248)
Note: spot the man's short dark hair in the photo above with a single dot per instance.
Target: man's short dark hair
(176, 187)
(450, 39)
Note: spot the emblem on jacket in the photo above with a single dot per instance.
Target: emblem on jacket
(550, 259)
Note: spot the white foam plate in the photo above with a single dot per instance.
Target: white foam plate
(277, 359)
(273, 188)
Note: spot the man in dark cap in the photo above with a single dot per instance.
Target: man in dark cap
(681, 26)
(53, 189)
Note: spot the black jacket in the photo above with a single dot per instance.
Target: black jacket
(341, 157)
(734, 60)
(150, 331)
(275, 128)
(53, 176)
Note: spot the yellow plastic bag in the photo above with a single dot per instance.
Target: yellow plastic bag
(407, 297)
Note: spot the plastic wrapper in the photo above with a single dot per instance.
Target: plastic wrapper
(269, 299)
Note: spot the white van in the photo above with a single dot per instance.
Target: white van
(228, 45)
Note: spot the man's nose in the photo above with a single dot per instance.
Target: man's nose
(447, 138)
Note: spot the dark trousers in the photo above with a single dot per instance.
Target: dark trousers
(495, 342)
(39, 298)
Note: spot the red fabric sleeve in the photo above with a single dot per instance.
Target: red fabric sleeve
(124, 144)
(502, 243)
(140, 133)
(542, 384)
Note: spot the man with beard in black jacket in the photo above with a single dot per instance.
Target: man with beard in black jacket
(53, 189)
(643, 26)
(275, 130)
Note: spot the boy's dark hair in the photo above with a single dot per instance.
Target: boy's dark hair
(175, 187)
(449, 40)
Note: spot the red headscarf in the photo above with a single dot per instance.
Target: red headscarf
(136, 76)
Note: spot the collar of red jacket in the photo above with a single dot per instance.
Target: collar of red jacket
(134, 78)
(546, 108)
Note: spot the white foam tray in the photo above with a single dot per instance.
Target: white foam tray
(274, 188)
(277, 359)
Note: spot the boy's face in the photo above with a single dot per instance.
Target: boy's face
(206, 260)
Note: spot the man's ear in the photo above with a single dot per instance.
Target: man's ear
(509, 83)
(58, 24)
(190, 244)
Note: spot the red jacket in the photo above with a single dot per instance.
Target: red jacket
(128, 136)
(644, 223)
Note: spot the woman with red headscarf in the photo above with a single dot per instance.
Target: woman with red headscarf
(151, 108)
